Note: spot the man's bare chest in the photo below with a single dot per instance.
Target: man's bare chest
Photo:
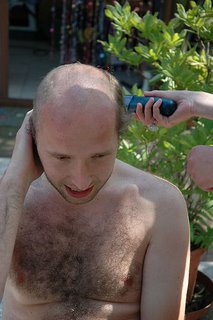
(79, 257)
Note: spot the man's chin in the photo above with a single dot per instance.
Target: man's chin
(66, 194)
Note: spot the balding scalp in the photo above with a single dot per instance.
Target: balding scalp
(68, 78)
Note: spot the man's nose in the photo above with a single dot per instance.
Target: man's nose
(80, 177)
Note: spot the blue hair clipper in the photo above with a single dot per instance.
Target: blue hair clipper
(167, 107)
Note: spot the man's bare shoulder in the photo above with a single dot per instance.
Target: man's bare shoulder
(143, 179)
(167, 208)
(156, 189)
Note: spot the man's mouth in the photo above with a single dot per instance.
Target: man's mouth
(78, 194)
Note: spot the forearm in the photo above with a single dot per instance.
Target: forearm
(12, 196)
(21, 172)
(203, 105)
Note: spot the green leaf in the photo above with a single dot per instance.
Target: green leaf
(137, 21)
(155, 78)
(181, 11)
(109, 14)
(193, 4)
(118, 7)
(168, 145)
(207, 4)
(136, 91)
(126, 8)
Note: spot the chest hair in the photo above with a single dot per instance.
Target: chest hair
(73, 257)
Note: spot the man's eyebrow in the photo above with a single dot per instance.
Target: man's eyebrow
(54, 153)
(59, 154)
(106, 152)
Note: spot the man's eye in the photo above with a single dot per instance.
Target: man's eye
(61, 157)
(97, 156)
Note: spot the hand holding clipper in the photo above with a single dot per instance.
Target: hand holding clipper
(167, 107)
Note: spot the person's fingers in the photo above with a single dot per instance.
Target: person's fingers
(148, 113)
(152, 115)
(169, 94)
(156, 93)
(139, 112)
(190, 166)
(26, 122)
(156, 111)
(159, 118)
(28, 115)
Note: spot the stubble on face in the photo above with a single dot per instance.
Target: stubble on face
(61, 190)
(78, 105)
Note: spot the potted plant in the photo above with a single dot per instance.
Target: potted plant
(178, 56)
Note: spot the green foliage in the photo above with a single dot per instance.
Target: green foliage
(199, 19)
(180, 56)
(179, 52)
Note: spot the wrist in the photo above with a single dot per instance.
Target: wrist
(203, 105)
(14, 184)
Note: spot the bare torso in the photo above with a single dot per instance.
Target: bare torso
(82, 262)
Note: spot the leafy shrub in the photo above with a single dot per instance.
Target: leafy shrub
(179, 55)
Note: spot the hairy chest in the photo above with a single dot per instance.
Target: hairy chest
(73, 257)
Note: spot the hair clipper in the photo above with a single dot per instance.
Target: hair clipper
(167, 107)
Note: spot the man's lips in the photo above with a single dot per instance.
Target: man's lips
(78, 194)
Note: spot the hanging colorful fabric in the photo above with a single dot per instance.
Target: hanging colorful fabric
(52, 28)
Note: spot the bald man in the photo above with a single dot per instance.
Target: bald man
(85, 236)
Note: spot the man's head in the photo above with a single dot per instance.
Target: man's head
(77, 122)
(66, 76)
